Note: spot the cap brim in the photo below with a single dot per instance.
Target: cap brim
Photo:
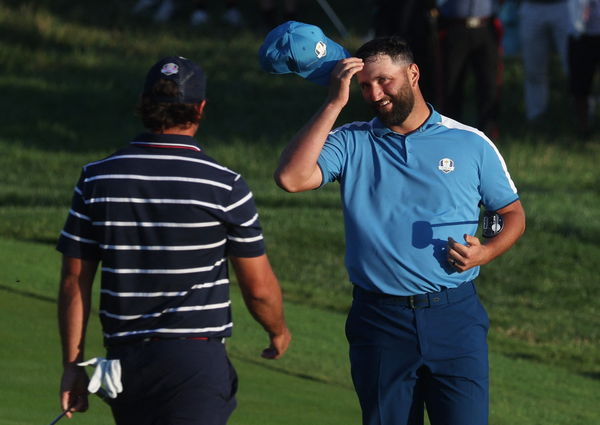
(272, 53)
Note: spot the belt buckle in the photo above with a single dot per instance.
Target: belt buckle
(473, 22)
(411, 302)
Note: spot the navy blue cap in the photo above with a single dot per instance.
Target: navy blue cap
(303, 49)
(188, 76)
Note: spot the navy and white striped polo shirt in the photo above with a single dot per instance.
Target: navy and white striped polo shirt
(162, 217)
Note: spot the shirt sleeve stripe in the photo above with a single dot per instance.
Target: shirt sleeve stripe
(503, 163)
(77, 238)
(250, 222)
(245, 240)
(240, 202)
(79, 215)
(450, 123)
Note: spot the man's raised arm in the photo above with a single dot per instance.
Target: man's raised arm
(298, 170)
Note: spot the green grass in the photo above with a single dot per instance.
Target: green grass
(309, 385)
(70, 77)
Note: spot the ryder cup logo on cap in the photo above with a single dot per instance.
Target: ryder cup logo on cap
(169, 69)
(321, 49)
(303, 49)
(188, 76)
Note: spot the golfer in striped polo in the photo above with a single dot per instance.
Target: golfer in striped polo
(162, 219)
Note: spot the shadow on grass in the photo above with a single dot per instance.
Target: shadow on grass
(592, 375)
(284, 371)
(28, 294)
(42, 240)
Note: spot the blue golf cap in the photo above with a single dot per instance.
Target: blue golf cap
(303, 49)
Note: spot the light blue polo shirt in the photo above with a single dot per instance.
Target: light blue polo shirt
(404, 195)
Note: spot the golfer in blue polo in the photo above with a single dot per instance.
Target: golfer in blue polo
(412, 182)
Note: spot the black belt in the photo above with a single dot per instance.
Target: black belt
(470, 22)
(430, 299)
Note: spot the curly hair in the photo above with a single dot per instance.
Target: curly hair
(394, 46)
(158, 116)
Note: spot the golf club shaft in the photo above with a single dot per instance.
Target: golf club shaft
(101, 393)
(59, 417)
(333, 17)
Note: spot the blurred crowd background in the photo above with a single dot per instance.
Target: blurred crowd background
(454, 40)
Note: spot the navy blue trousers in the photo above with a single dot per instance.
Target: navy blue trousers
(174, 382)
(434, 356)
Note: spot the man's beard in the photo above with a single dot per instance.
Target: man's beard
(402, 105)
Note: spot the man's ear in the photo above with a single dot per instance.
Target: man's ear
(200, 108)
(413, 74)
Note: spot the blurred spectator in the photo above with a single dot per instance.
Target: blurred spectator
(416, 22)
(543, 24)
(232, 15)
(584, 58)
(271, 14)
(164, 10)
(470, 42)
(509, 16)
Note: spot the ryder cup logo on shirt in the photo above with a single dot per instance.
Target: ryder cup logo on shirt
(320, 49)
(169, 69)
(446, 165)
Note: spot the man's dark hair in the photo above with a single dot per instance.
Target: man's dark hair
(395, 47)
(158, 116)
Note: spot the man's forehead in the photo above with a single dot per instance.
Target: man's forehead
(380, 57)
(379, 64)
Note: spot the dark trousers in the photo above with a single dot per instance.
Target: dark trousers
(412, 20)
(584, 62)
(174, 382)
(433, 356)
(464, 51)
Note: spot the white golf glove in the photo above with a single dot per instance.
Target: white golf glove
(106, 375)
